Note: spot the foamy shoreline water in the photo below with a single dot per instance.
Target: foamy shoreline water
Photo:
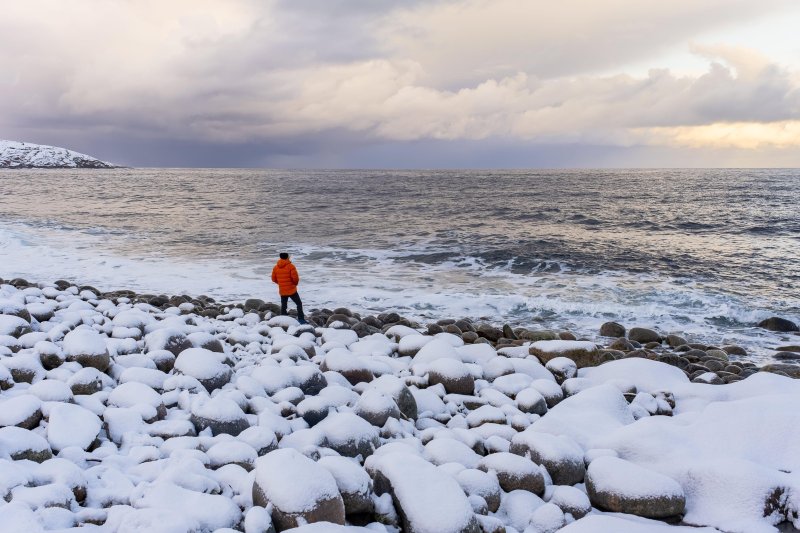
(563, 299)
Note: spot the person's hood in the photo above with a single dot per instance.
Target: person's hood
(283, 263)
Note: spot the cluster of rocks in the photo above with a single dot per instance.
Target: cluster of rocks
(176, 414)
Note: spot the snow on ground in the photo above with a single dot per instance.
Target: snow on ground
(123, 416)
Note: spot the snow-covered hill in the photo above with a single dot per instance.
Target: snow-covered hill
(27, 155)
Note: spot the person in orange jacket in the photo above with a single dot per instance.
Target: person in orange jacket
(285, 275)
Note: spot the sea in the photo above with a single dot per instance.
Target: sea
(703, 253)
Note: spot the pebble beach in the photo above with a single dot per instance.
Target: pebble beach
(123, 411)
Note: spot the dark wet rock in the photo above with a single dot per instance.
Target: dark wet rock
(674, 360)
(540, 335)
(622, 345)
(509, 333)
(434, 329)
(253, 304)
(778, 324)
(674, 341)
(583, 357)
(452, 328)
(694, 352)
(787, 356)
(787, 369)
(465, 325)
(788, 348)
(363, 329)
(717, 354)
(489, 332)
(372, 321)
(733, 369)
(469, 337)
(640, 353)
(714, 365)
(612, 329)
(344, 319)
(389, 318)
(567, 336)
(643, 335)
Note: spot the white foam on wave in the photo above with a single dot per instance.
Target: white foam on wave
(371, 281)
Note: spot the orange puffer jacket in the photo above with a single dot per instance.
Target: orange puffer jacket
(285, 275)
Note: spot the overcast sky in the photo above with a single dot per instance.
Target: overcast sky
(414, 83)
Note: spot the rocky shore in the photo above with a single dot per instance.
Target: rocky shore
(125, 412)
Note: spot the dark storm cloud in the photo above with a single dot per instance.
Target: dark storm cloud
(377, 83)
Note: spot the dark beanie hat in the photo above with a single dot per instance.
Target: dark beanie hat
(284, 255)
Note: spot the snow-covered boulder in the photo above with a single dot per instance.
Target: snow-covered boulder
(140, 397)
(570, 500)
(348, 434)
(6, 379)
(562, 368)
(300, 490)
(476, 482)
(352, 367)
(530, 400)
(23, 411)
(376, 407)
(620, 486)
(171, 339)
(88, 381)
(427, 499)
(87, 347)
(50, 354)
(205, 366)
(353, 482)
(18, 444)
(13, 325)
(452, 374)
(559, 454)
(197, 511)
(220, 414)
(514, 472)
(445, 450)
(232, 452)
(72, 425)
(401, 394)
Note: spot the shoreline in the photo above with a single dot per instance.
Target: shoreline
(214, 416)
(613, 339)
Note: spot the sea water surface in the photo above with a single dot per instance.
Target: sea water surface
(705, 253)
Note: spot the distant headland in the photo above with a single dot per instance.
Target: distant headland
(15, 154)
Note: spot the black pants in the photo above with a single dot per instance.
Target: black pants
(296, 299)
